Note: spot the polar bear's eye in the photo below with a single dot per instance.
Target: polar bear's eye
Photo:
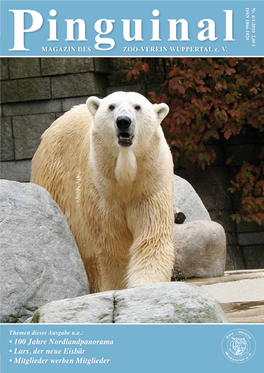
(137, 107)
(111, 107)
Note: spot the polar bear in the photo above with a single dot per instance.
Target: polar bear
(109, 168)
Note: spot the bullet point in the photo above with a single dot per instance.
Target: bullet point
(10, 350)
(10, 360)
(10, 341)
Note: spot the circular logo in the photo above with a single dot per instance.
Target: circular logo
(238, 346)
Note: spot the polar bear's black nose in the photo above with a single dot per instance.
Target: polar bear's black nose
(123, 122)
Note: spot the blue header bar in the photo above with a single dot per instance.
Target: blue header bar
(123, 29)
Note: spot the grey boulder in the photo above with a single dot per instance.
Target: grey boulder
(200, 249)
(199, 243)
(174, 302)
(40, 261)
(187, 201)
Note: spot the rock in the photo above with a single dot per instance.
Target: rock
(200, 249)
(199, 243)
(174, 302)
(40, 261)
(167, 303)
(95, 308)
(187, 201)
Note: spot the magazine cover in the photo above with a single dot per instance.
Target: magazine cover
(132, 186)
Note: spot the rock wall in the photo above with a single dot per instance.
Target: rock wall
(36, 91)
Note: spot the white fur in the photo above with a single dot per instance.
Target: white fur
(126, 167)
(118, 200)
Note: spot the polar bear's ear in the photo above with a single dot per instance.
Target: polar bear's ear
(161, 110)
(93, 104)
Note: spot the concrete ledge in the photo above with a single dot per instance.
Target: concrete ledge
(240, 293)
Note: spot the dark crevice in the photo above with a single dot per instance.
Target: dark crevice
(114, 308)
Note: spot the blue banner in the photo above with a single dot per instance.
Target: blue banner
(130, 29)
(132, 348)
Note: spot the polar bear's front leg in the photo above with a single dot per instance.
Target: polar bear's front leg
(151, 261)
(151, 254)
(113, 271)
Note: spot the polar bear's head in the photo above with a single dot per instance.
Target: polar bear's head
(126, 119)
